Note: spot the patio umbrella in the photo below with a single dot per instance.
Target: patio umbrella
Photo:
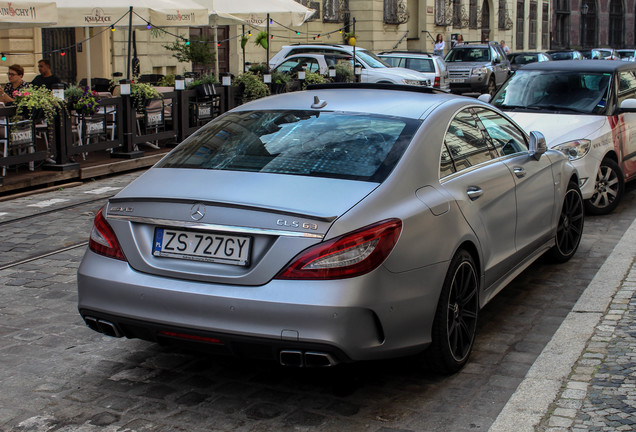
(17, 14)
(99, 13)
(258, 13)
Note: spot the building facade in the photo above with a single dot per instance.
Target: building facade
(380, 25)
(594, 23)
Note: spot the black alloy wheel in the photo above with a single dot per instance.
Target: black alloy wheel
(608, 189)
(455, 322)
(570, 225)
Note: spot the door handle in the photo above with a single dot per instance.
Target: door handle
(474, 192)
(519, 172)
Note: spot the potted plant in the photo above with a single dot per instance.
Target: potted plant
(141, 94)
(261, 39)
(38, 103)
(313, 78)
(85, 103)
(344, 72)
(204, 84)
(250, 87)
(350, 38)
(279, 82)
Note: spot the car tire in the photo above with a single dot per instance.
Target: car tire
(455, 323)
(608, 189)
(570, 226)
(492, 87)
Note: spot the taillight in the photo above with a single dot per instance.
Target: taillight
(436, 83)
(103, 240)
(350, 255)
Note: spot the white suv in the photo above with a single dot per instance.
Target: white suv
(374, 70)
(430, 65)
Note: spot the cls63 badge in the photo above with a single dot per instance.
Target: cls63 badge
(296, 224)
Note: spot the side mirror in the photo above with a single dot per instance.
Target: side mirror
(628, 105)
(496, 61)
(537, 145)
(485, 97)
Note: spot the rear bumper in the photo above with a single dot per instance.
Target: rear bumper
(374, 316)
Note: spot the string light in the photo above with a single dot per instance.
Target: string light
(148, 26)
(187, 42)
(112, 28)
(4, 57)
(62, 53)
(249, 33)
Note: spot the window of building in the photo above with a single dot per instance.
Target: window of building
(501, 15)
(520, 23)
(472, 15)
(588, 24)
(562, 25)
(532, 37)
(457, 13)
(616, 24)
(545, 26)
(335, 11)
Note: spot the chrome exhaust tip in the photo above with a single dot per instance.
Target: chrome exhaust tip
(318, 359)
(291, 358)
(108, 328)
(296, 358)
(102, 326)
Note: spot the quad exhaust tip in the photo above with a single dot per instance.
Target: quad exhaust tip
(102, 326)
(294, 358)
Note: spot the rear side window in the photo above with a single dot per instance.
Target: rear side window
(394, 61)
(420, 65)
(310, 143)
(465, 143)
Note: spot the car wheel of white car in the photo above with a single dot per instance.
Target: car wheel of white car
(608, 189)
(570, 226)
(455, 320)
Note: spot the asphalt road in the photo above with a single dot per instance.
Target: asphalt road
(57, 375)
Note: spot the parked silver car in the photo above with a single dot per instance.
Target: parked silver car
(477, 67)
(342, 223)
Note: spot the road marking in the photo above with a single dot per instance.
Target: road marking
(102, 190)
(3, 214)
(48, 203)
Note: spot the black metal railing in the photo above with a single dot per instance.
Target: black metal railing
(116, 127)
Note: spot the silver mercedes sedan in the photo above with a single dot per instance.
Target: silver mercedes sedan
(343, 223)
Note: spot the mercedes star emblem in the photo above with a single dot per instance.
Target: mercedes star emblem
(197, 212)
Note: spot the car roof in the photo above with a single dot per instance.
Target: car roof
(409, 53)
(323, 45)
(316, 55)
(371, 98)
(581, 66)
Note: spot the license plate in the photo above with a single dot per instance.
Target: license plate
(202, 246)
(457, 80)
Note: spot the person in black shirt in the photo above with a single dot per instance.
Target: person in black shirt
(46, 77)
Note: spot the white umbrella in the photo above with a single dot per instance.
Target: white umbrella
(15, 14)
(99, 13)
(256, 12)
(261, 13)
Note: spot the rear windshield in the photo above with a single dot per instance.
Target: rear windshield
(309, 143)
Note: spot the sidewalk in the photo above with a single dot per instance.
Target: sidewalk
(585, 378)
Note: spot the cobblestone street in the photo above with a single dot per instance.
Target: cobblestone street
(58, 375)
